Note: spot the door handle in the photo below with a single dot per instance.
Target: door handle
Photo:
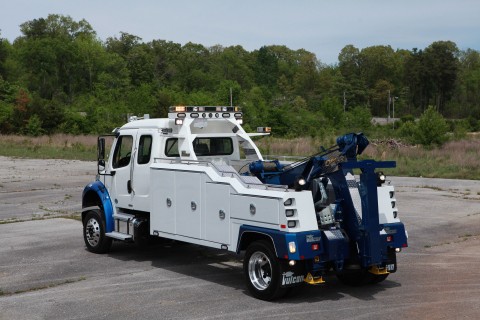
(129, 186)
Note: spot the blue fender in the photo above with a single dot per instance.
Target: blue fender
(280, 240)
(99, 189)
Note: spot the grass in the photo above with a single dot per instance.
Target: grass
(456, 159)
(58, 146)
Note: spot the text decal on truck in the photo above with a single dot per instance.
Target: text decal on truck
(290, 278)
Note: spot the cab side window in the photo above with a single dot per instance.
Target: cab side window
(144, 149)
(171, 148)
(123, 152)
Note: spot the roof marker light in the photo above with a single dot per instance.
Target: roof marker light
(264, 129)
(179, 109)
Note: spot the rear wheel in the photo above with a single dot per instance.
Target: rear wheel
(377, 278)
(262, 271)
(94, 233)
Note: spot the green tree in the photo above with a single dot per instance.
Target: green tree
(467, 95)
(266, 68)
(139, 57)
(48, 52)
(357, 119)
(34, 126)
(441, 61)
(332, 110)
(378, 63)
(226, 87)
(165, 60)
(431, 128)
(4, 52)
(353, 84)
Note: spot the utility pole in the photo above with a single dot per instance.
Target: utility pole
(393, 114)
(388, 107)
(344, 102)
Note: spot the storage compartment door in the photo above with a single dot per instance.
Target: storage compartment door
(163, 201)
(188, 191)
(217, 213)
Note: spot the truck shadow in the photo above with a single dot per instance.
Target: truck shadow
(225, 268)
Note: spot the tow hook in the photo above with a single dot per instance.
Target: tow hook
(377, 270)
(314, 280)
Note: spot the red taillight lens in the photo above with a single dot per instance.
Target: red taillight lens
(389, 238)
(315, 247)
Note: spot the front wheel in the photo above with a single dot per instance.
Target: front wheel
(262, 271)
(94, 233)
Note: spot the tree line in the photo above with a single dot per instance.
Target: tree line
(58, 76)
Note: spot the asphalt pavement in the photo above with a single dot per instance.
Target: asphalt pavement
(47, 273)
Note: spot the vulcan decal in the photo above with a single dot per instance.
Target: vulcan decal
(290, 278)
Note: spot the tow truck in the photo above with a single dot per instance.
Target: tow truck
(198, 177)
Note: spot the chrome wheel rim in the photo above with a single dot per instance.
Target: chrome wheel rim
(92, 232)
(260, 270)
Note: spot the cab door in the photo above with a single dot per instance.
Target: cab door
(140, 181)
(121, 168)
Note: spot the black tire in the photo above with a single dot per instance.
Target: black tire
(262, 271)
(143, 239)
(377, 278)
(94, 233)
(361, 278)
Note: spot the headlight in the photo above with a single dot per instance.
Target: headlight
(380, 178)
(300, 182)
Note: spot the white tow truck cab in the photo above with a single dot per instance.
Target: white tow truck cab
(198, 177)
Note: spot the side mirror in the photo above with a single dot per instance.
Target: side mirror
(101, 154)
(101, 150)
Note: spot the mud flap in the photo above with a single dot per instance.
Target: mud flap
(391, 262)
(292, 276)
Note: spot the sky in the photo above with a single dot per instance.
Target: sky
(319, 26)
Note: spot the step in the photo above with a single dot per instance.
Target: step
(123, 216)
(119, 236)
